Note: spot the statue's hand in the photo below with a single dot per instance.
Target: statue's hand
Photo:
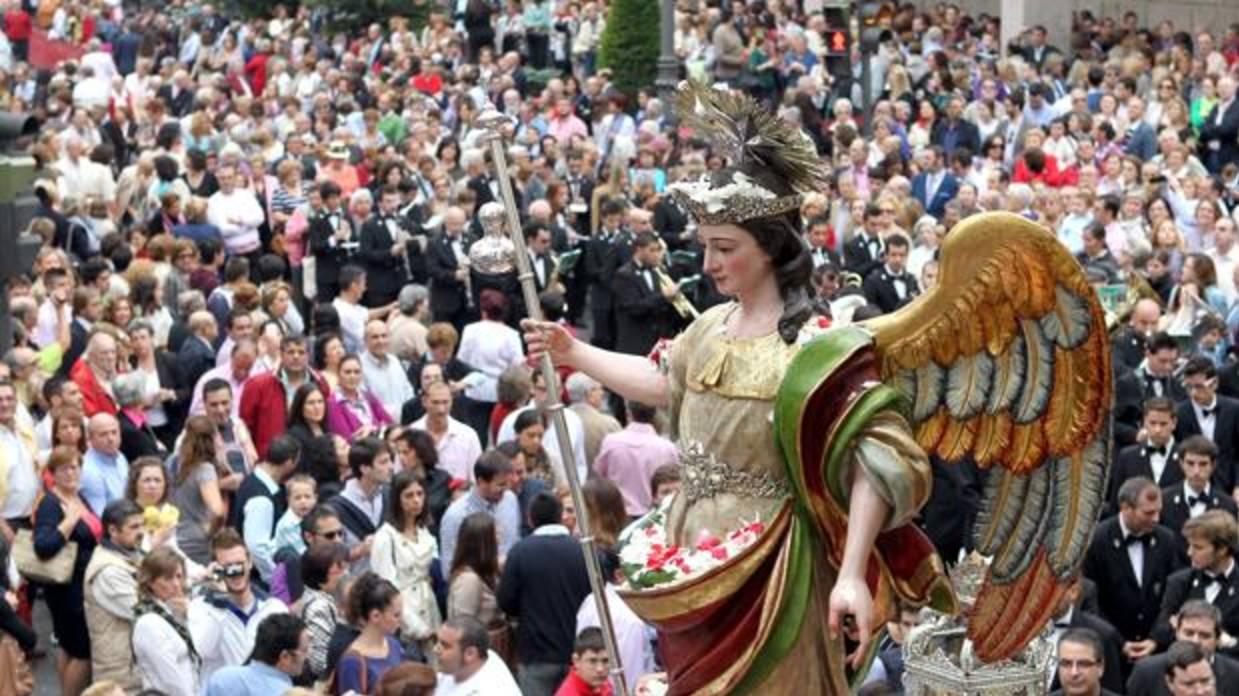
(547, 337)
(851, 612)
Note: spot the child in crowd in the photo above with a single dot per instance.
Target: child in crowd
(302, 497)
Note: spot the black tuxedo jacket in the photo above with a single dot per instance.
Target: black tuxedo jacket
(603, 258)
(481, 186)
(1130, 392)
(1112, 646)
(329, 255)
(642, 314)
(1131, 607)
(1188, 583)
(447, 294)
(546, 265)
(1225, 436)
(1175, 510)
(1148, 678)
(857, 257)
(1127, 347)
(879, 289)
(1228, 379)
(1133, 461)
(385, 274)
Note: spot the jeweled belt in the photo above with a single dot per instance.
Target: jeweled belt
(704, 476)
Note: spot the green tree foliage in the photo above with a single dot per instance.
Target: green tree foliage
(629, 44)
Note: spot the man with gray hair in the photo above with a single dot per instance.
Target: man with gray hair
(586, 397)
(94, 373)
(407, 327)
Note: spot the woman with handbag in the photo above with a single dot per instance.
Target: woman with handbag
(66, 532)
(473, 578)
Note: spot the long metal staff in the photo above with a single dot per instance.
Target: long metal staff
(492, 122)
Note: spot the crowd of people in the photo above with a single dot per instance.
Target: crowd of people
(268, 424)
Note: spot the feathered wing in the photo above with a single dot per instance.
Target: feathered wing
(1007, 360)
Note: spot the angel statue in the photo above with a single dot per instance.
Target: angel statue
(805, 451)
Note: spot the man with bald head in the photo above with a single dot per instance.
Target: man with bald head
(105, 470)
(1220, 129)
(236, 373)
(1128, 343)
(197, 353)
(448, 266)
(93, 374)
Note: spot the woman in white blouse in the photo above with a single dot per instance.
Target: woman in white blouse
(489, 346)
(162, 646)
(402, 552)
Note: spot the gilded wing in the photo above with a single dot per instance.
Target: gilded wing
(1007, 361)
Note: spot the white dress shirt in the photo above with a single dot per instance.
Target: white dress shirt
(1135, 554)
(1157, 462)
(1209, 422)
(387, 380)
(237, 215)
(493, 679)
(458, 449)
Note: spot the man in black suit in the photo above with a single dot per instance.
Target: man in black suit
(643, 310)
(1220, 129)
(1212, 577)
(197, 353)
(890, 286)
(604, 254)
(1154, 377)
(486, 187)
(1215, 417)
(818, 234)
(1197, 623)
(1127, 344)
(1073, 669)
(1038, 47)
(1082, 665)
(538, 243)
(179, 96)
(865, 251)
(1154, 457)
(87, 309)
(333, 240)
(384, 251)
(1129, 558)
(1196, 494)
(449, 297)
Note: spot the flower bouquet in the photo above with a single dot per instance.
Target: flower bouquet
(648, 558)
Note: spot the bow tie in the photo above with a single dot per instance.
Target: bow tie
(1142, 539)
(1156, 450)
(1193, 500)
(1207, 579)
(1208, 412)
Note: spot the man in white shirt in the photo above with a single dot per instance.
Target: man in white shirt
(223, 623)
(18, 479)
(467, 666)
(632, 635)
(457, 444)
(236, 213)
(384, 372)
(1225, 256)
(81, 178)
(353, 316)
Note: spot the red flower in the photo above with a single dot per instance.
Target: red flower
(719, 553)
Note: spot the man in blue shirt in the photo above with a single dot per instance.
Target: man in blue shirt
(490, 494)
(279, 654)
(105, 471)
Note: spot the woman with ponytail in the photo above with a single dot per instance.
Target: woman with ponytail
(773, 551)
